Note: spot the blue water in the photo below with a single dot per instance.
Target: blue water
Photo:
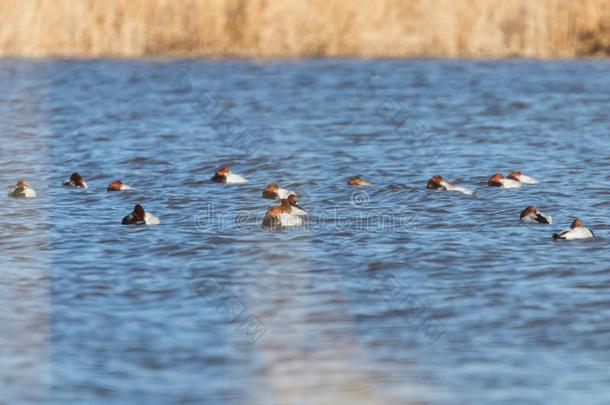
(390, 294)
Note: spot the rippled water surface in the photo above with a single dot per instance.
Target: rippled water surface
(390, 294)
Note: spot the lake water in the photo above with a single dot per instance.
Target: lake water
(390, 294)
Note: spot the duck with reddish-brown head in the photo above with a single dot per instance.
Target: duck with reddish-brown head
(117, 185)
(288, 213)
(497, 180)
(522, 178)
(577, 230)
(75, 180)
(274, 192)
(532, 215)
(439, 183)
(224, 175)
(140, 217)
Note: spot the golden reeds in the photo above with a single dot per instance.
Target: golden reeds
(269, 28)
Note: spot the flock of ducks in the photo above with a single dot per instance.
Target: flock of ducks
(531, 214)
(290, 213)
(137, 217)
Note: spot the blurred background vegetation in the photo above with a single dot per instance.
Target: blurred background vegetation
(295, 28)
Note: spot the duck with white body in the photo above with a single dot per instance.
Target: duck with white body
(522, 178)
(532, 215)
(577, 230)
(439, 183)
(497, 180)
(288, 213)
(274, 192)
(225, 175)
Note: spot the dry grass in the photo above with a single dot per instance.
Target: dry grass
(268, 28)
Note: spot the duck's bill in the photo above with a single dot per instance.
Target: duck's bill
(301, 208)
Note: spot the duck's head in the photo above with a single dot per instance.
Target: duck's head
(531, 210)
(22, 183)
(293, 200)
(577, 223)
(495, 180)
(115, 186)
(515, 175)
(220, 175)
(435, 182)
(136, 217)
(357, 181)
(77, 180)
(272, 188)
(223, 171)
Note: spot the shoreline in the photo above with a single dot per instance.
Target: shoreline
(287, 58)
(306, 29)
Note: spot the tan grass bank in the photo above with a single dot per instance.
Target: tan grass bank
(271, 28)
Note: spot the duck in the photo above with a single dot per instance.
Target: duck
(439, 183)
(224, 175)
(117, 185)
(75, 180)
(522, 178)
(497, 180)
(577, 230)
(288, 213)
(532, 215)
(140, 217)
(274, 192)
(22, 190)
(358, 181)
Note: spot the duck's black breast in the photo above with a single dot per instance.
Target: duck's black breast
(219, 179)
(131, 220)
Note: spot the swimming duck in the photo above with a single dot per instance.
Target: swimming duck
(140, 217)
(522, 178)
(532, 215)
(288, 213)
(439, 183)
(274, 192)
(117, 185)
(498, 181)
(576, 231)
(224, 175)
(358, 181)
(22, 190)
(75, 180)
